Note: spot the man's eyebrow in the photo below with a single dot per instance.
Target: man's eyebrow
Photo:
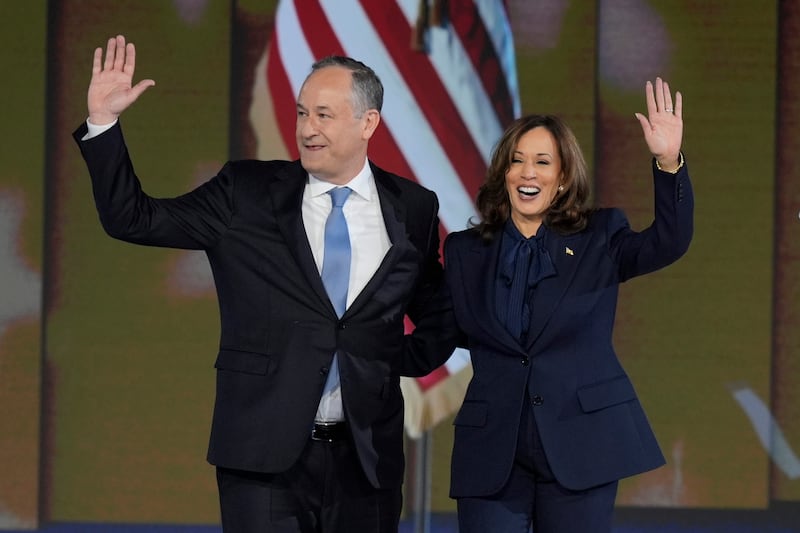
(317, 108)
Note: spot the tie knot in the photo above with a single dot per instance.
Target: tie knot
(339, 195)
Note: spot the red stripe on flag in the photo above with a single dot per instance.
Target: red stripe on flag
(283, 99)
(437, 376)
(429, 92)
(318, 32)
(477, 42)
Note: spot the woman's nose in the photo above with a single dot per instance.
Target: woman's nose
(529, 171)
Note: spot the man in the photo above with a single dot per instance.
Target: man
(313, 286)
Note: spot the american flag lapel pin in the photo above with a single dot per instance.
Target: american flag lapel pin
(568, 251)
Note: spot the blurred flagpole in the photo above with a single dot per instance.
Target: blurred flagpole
(421, 474)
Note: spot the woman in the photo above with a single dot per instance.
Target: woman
(550, 421)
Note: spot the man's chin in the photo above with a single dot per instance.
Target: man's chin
(312, 166)
(309, 164)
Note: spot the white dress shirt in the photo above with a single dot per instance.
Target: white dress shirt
(369, 243)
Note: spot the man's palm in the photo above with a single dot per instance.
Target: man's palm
(111, 90)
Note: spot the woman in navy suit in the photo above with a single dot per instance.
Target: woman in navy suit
(551, 421)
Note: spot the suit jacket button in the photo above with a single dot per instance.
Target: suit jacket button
(525, 360)
(342, 325)
(538, 400)
(323, 371)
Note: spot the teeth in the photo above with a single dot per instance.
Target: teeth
(529, 190)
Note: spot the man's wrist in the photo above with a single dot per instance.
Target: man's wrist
(102, 119)
(93, 130)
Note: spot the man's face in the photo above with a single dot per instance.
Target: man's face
(331, 140)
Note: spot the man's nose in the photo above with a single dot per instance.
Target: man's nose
(308, 126)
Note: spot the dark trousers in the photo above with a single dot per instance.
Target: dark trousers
(326, 491)
(533, 497)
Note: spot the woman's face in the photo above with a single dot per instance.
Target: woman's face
(533, 178)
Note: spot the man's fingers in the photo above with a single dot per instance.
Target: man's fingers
(120, 57)
(130, 59)
(96, 61)
(119, 51)
(110, 47)
(141, 87)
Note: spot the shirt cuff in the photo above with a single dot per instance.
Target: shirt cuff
(94, 130)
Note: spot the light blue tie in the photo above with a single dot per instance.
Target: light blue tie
(336, 261)
(336, 267)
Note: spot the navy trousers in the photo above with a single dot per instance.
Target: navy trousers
(533, 498)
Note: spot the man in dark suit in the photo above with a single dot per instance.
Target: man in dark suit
(308, 420)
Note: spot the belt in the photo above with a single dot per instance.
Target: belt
(329, 431)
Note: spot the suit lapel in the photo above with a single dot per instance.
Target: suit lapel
(394, 216)
(287, 201)
(393, 209)
(566, 254)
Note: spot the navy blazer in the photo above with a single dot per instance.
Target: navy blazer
(279, 330)
(592, 426)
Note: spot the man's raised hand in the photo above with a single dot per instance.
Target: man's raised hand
(110, 90)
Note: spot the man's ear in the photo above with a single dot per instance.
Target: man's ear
(371, 119)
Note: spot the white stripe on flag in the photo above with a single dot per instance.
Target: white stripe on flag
(495, 19)
(463, 85)
(458, 361)
(296, 56)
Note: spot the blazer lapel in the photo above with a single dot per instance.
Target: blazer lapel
(480, 273)
(565, 253)
(287, 201)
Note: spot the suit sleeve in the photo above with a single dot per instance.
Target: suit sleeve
(435, 333)
(668, 236)
(195, 220)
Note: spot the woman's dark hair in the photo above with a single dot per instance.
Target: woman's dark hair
(569, 211)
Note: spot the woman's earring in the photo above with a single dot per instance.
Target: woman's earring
(560, 188)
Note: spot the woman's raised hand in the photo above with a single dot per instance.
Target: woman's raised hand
(663, 125)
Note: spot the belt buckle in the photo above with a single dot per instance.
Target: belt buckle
(329, 432)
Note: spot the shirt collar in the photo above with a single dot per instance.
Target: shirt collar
(360, 184)
(515, 235)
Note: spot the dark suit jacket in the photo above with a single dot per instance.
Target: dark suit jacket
(591, 424)
(279, 330)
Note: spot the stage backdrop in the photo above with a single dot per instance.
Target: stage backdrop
(107, 349)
